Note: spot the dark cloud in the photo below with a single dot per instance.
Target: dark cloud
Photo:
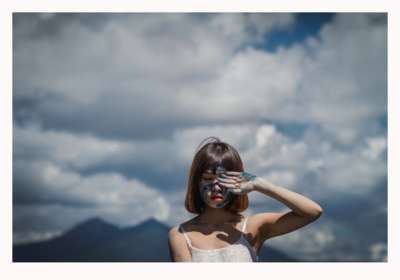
(107, 117)
(378, 19)
(51, 25)
(146, 172)
(364, 219)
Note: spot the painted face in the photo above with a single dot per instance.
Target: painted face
(212, 194)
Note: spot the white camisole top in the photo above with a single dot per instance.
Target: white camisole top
(240, 251)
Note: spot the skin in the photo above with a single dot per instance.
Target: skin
(217, 228)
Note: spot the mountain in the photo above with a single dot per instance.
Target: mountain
(98, 241)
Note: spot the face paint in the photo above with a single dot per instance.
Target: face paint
(214, 195)
(211, 193)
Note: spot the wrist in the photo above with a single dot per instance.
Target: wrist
(262, 185)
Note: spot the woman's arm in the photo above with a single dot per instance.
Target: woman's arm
(304, 210)
(301, 205)
(178, 248)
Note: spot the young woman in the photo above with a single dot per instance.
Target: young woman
(217, 192)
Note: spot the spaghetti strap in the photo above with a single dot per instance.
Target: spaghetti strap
(186, 236)
(244, 225)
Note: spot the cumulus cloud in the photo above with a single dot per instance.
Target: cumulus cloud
(48, 183)
(327, 87)
(130, 61)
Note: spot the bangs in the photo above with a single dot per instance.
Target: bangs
(232, 162)
(221, 158)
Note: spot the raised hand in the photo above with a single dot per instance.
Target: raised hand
(237, 182)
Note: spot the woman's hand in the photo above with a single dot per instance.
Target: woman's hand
(237, 182)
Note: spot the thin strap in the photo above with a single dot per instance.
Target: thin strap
(244, 225)
(186, 236)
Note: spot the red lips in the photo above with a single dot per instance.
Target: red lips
(216, 197)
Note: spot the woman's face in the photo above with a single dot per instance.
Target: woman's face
(212, 194)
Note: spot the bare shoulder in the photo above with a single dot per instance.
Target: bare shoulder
(178, 246)
(174, 233)
(174, 229)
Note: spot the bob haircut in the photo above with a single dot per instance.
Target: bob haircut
(211, 154)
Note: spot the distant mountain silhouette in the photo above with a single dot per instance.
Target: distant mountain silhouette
(98, 241)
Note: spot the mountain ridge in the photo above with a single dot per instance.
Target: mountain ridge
(95, 240)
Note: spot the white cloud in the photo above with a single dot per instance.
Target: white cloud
(343, 86)
(375, 147)
(379, 252)
(52, 182)
(124, 51)
(27, 236)
(263, 133)
(65, 148)
(170, 66)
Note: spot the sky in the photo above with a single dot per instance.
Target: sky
(109, 109)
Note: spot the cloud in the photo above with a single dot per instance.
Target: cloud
(64, 148)
(215, 82)
(44, 182)
(351, 228)
(89, 79)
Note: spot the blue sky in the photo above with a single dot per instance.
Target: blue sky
(108, 110)
(307, 24)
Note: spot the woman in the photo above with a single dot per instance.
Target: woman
(217, 192)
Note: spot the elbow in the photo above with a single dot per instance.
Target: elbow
(317, 212)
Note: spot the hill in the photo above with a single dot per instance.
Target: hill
(98, 241)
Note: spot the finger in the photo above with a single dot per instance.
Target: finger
(235, 190)
(224, 176)
(233, 173)
(228, 181)
(225, 185)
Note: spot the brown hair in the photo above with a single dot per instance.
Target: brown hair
(209, 155)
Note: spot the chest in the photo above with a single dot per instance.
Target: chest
(215, 239)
